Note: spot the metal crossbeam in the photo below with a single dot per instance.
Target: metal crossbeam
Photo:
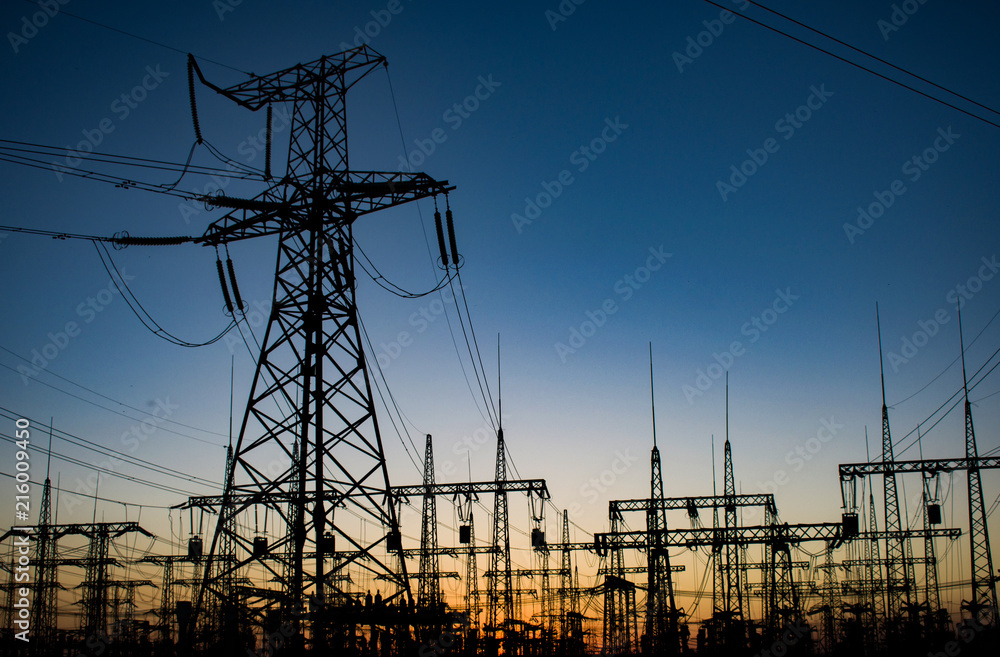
(848, 471)
(530, 486)
(701, 502)
(789, 534)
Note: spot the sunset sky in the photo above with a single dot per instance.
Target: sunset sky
(658, 173)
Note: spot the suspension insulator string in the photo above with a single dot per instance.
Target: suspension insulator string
(225, 290)
(440, 234)
(451, 231)
(232, 282)
(194, 105)
(122, 239)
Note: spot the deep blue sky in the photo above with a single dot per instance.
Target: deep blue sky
(655, 187)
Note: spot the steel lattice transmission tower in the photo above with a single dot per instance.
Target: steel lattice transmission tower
(46, 577)
(733, 597)
(933, 591)
(311, 387)
(472, 605)
(661, 612)
(897, 583)
(873, 573)
(565, 627)
(429, 587)
(983, 604)
(499, 595)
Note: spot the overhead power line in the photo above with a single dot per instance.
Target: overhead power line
(22, 149)
(490, 417)
(121, 403)
(876, 58)
(91, 496)
(945, 403)
(136, 36)
(112, 473)
(107, 451)
(860, 66)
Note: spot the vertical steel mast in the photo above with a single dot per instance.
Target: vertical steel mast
(897, 585)
(733, 596)
(661, 613)
(983, 604)
(429, 587)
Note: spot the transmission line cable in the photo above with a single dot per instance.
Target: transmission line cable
(876, 58)
(103, 396)
(136, 36)
(859, 66)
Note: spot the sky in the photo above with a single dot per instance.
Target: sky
(667, 174)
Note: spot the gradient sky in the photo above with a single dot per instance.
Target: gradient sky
(658, 187)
